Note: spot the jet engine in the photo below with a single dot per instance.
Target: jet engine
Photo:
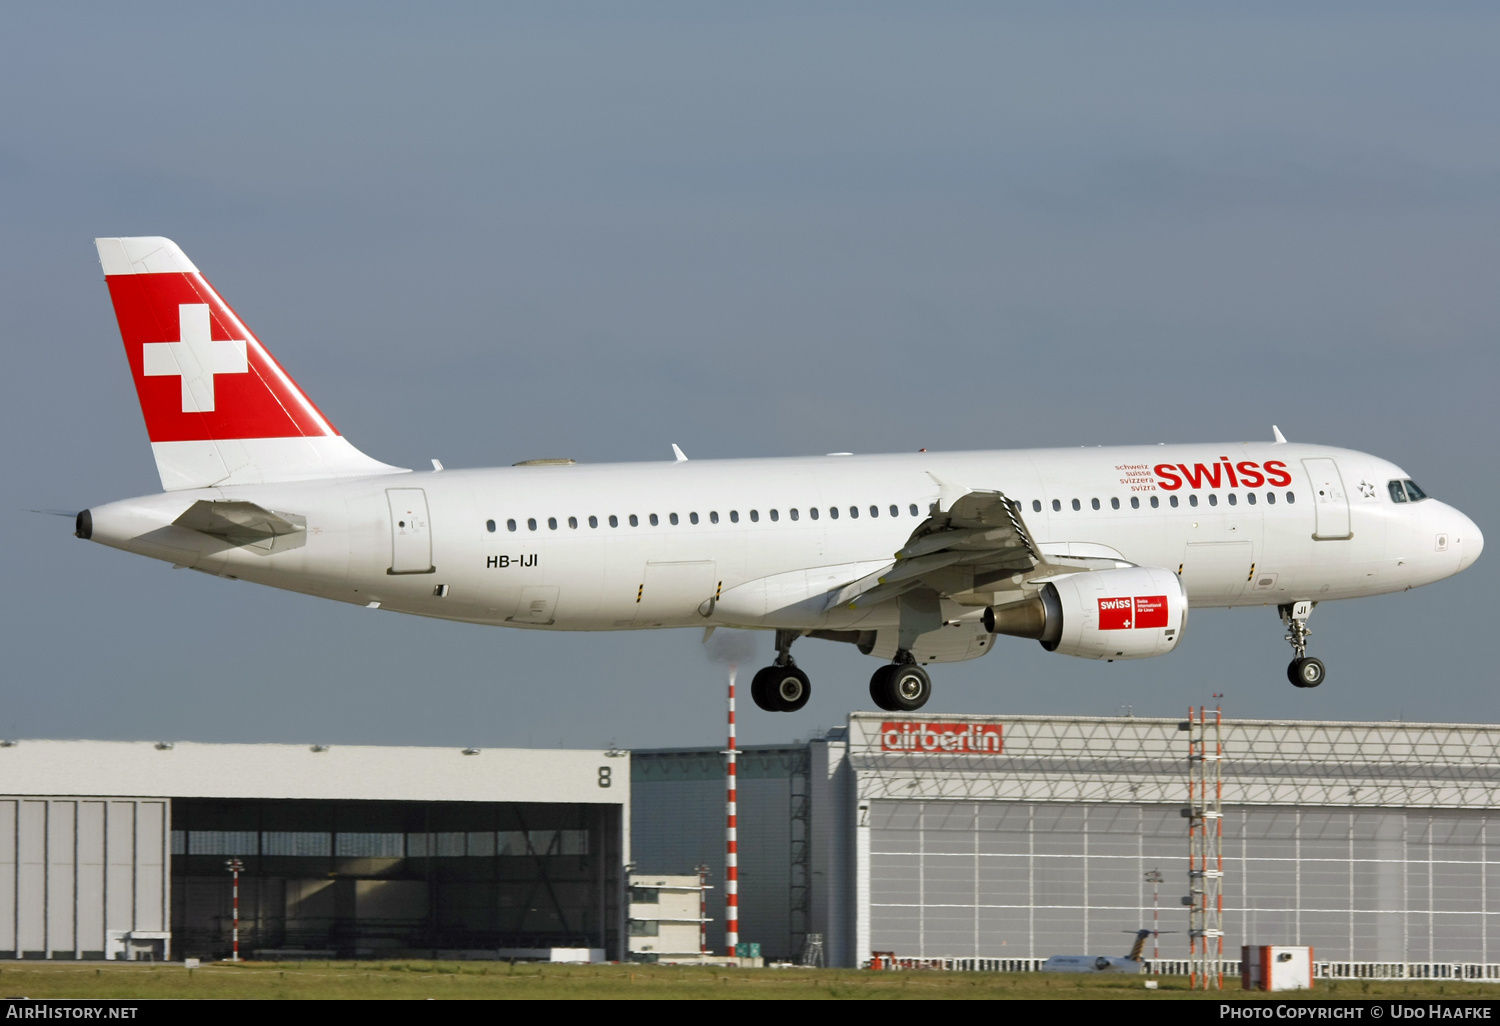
(1128, 613)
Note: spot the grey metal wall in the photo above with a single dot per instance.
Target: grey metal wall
(1015, 879)
(677, 824)
(73, 871)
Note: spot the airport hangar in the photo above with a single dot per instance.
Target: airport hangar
(120, 850)
(1018, 838)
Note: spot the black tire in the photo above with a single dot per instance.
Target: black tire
(1310, 672)
(760, 689)
(901, 688)
(787, 687)
(1291, 673)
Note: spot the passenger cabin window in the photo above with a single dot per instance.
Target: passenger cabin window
(692, 518)
(1213, 499)
(1077, 506)
(1036, 505)
(489, 525)
(853, 512)
(914, 509)
(672, 518)
(813, 512)
(1135, 502)
(510, 525)
(573, 523)
(531, 523)
(1094, 503)
(1250, 498)
(1173, 500)
(593, 521)
(1290, 498)
(874, 511)
(734, 516)
(895, 512)
(1192, 500)
(614, 521)
(655, 520)
(713, 516)
(635, 521)
(1057, 505)
(755, 516)
(795, 515)
(551, 523)
(1155, 502)
(1233, 499)
(1114, 503)
(775, 516)
(1270, 498)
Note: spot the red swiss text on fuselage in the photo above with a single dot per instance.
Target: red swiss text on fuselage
(1222, 474)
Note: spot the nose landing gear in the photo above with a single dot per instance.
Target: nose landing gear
(781, 687)
(1304, 671)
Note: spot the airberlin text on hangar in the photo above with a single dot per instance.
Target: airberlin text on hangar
(957, 738)
(1245, 474)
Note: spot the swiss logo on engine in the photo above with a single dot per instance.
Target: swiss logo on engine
(1120, 614)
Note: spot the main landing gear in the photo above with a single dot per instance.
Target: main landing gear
(1303, 671)
(903, 686)
(781, 687)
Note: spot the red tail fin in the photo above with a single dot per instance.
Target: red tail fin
(218, 407)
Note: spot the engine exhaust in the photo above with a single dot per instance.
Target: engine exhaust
(1038, 617)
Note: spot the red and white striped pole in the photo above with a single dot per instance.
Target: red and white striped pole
(234, 866)
(731, 839)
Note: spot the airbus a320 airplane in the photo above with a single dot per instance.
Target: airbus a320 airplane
(915, 558)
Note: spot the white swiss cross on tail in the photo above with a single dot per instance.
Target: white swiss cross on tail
(196, 358)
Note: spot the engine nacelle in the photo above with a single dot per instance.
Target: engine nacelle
(1129, 613)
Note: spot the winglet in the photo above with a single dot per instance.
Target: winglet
(681, 456)
(1280, 438)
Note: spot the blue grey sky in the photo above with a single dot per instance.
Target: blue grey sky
(489, 232)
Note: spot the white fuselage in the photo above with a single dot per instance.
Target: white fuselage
(753, 543)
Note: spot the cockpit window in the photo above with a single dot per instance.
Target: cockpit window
(1398, 493)
(1414, 493)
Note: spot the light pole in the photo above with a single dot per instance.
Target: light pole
(234, 866)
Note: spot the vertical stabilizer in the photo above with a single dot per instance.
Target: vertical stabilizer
(219, 409)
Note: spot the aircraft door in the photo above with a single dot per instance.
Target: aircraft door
(672, 592)
(411, 532)
(1330, 502)
(1216, 573)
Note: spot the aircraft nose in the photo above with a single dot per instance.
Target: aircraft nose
(1470, 541)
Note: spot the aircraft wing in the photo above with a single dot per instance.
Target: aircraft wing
(978, 543)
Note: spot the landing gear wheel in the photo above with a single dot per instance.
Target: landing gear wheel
(760, 690)
(1306, 672)
(900, 687)
(788, 688)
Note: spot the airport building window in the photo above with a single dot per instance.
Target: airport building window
(1155, 502)
(489, 525)
(531, 523)
(573, 523)
(1135, 502)
(593, 521)
(510, 525)
(551, 523)
(672, 517)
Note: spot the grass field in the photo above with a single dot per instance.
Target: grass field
(481, 980)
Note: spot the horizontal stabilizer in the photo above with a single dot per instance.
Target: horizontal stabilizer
(244, 524)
